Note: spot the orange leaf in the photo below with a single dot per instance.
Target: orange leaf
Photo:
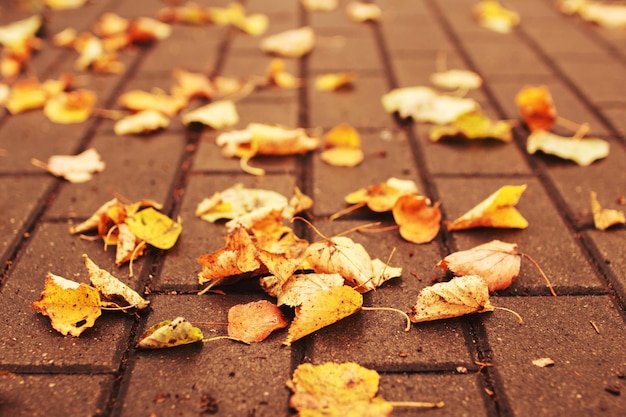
(536, 107)
(418, 221)
(253, 322)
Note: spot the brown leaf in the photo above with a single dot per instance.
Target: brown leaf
(253, 322)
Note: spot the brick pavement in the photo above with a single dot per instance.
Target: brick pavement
(101, 374)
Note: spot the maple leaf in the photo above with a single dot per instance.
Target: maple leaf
(460, 296)
(497, 210)
(113, 292)
(141, 122)
(491, 15)
(72, 307)
(217, 115)
(74, 168)
(333, 389)
(419, 221)
(582, 151)
(605, 218)
(456, 79)
(343, 147)
(497, 263)
(424, 104)
(322, 308)
(70, 107)
(292, 43)
(359, 11)
(170, 333)
(253, 322)
(474, 125)
(536, 107)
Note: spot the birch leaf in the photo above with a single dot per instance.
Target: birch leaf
(332, 389)
(217, 115)
(456, 79)
(170, 333)
(419, 221)
(142, 122)
(299, 287)
(458, 297)
(262, 139)
(254, 322)
(292, 43)
(474, 125)
(497, 263)
(154, 228)
(582, 151)
(536, 107)
(491, 15)
(323, 308)
(605, 218)
(72, 307)
(497, 210)
(74, 168)
(113, 292)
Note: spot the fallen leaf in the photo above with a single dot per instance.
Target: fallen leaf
(65, 4)
(474, 125)
(320, 5)
(111, 24)
(460, 296)
(192, 85)
(334, 81)
(497, 263)
(582, 151)
(382, 197)
(253, 322)
(497, 210)
(543, 362)
(70, 107)
(170, 333)
(254, 24)
(292, 43)
(424, 104)
(456, 79)
(217, 115)
(362, 12)
(74, 168)
(142, 122)
(138, 100)
(491, 15)
(333, 389)
(536, 107)
(321, 309)
(189, 13)
(126, 244)
(15, 35)
(277, 76)
(26, 95)
(610, 15)
(299, 287)
(65, 38)
(154, 228)
(147, 29)
(94, 56)
(419, 221)
(72, 307)
(343, 147)
(112, 291)
(605, 218)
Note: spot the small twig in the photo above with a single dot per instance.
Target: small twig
(38, 163)
(532, 261)
(516, 314)
(315, 229)
(347, 210)
(595, 327)
(381, 229)
(408, 320)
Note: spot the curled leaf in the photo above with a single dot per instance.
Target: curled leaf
(605, 218)
(536, 107)
(170, 333)
(419, 221)
(253, 322)
(218, 115)
(582, 151)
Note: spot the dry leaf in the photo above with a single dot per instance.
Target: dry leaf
(334, 81)
(497, 210)
(299, 287)
(253, 322)
(191, 85)
(254, 25)
(418, 220)
(291, 43)
(65, 38)
(16, 35)
(217, 115)
(126, 243)
(72, 307)
(26, 95)
(111, 24)
(343, 147)
(154, 228)
(142, 122)
(147, 29)
(138, 100)
(320, 5)
(543, 362)
(610, 15)
(321, 309)
(70, 107)
(383, 196)
(74, 168)
(93, 55)
(235, 14)
(460, 296)
(362, 12)
(424, 104)
(474, 125)
(277, 76)
(536, 107)
(114, 292)
(170, 333)
(65, 4)
(333, 389)
(605, 218)
(582, 151)
(189, 13)
(497, 263)
(456, 79)
(491, 15)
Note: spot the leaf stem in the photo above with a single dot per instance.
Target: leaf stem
(408, 320)
(416, 404)
(212, 339)
(536, 265)
(516, 314)
(347, 210)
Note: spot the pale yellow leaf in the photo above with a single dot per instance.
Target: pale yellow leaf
(582, 151)
(456, 79)
(170, 333)
(292, 43)
(605, 218)
(493, 16)
(74, 168)
(142, 122)
(218, 115)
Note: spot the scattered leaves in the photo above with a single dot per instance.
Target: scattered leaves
(170, 333)
(497, 210)
(582, 151)
(605, 218)
(74, 168)
(253, 322)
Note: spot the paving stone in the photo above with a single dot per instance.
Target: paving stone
(598, 76)
(23, 395)
(212, 377)
(340, 50)
(562, 328)
(610, 244)
(414, 33)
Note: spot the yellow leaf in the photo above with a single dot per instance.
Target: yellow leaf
(253, 322)
(72, 307)
(418, 220)
(217, 115)
(170, 333)
(26, 95)
(460, 296)
(336, 390)
(497, 210)
(70, 107)
(113, 291)
(491, 15)
(292, 43)
(277, 75)
(383, 196)
(456, 79)
(154, 228)
(191, 84)
(141, 122)
(343, 146)
(17, 33)
(335, 81)
(147, 29)
(295, 290)
(320, 5)
(582, 151)
(610, 15)
(138, 100)
(360, 11)
(65, 4)
(321, 309)
(605, 218)
(474, 125)
(74, 168)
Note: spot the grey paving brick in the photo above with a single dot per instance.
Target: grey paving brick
(562, 328)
